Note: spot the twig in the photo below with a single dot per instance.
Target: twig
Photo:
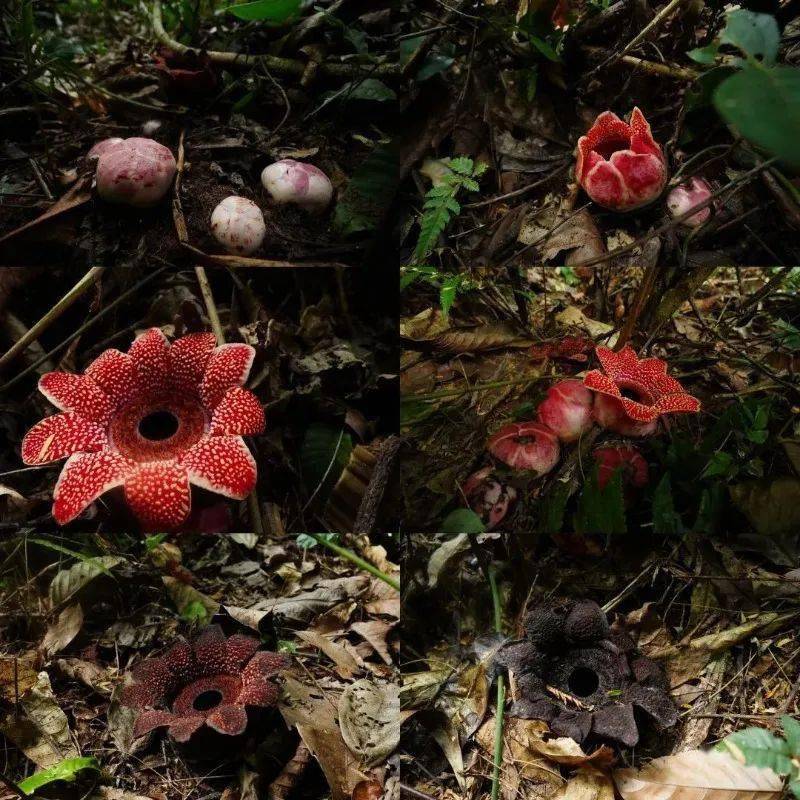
(53, 314)
(95, 318)
(524, 190)
(651, 67)
(211, 306)
(356, 559)
(287, 66)
(477, 388)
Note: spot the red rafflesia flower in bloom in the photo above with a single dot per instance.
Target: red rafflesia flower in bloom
(685, 197)
(635, 472)
(619, 165)
(153, 420)
(634, 393)
(567, 411)
(525, 445)
(210, 682)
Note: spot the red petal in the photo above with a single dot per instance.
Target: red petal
(240, 650)
(644, 175)
(211, 652)
(239, 413)
(259, 693)
(230, 720)
(150, 720)
(184, 727)
(158, 493)
(640, 412)
(672, 403)
(150, 355)
(228, 366)
(62, 435)
(642, 140)
(115, 373)
(605, 186)
(222, 464)
(76, 393)
(264, 665)
(597, 382)
(189, 357)
(84, 478)
(180, 661)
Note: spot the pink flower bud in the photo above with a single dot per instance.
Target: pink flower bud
(567, 410)
(619, 165)
(685, 197)
(525, 445)
(635, 472)
(488, 497)
(104, 146)
(305, 185)
(137, 172)
(610, 414)
(238, 225)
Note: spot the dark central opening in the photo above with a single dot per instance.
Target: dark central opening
(207, 700)
(631, 394)
(611, 146)
(158, 426)
(583, 682)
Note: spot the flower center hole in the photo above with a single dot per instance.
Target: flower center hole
(207, 700)
(158, 425)
(611, 146)
(583, 682)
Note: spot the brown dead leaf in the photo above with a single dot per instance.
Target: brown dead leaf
(346, 665)
(774, 508)
(587, 784)
(369, 718)
(17, 676)
(376, 633)
(493, 336)
(698, 775)
(63, 630)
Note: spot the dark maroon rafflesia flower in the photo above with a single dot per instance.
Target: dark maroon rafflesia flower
(210, 682)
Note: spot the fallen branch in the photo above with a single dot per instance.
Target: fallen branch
(286, 66)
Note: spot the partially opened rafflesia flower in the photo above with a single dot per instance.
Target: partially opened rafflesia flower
(136, 172)
(488, 496)
(153, 420)
(635, 472)
(525, 445)
(685, 197)
(238, 225)
(619, 165)
(209, 683)
(633, 393)
(290, 181)
(567, 411)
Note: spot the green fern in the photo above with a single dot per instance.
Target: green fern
(441, 205)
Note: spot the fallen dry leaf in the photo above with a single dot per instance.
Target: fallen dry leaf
(587, 784)
(63, 630)
(346, 665)
(698, 775)
(369, 719)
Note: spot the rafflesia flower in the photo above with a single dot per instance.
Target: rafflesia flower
(619, 165)
(290, 181)
(136, 172)
(525, 445)
(488, 496)
(153, 420)
(634, 393)
(209, 683)
(635, 473)
(685, 197)
(567, 410)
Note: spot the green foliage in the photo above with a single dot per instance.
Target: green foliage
(449, 284)
(307, 541)
(537, 28)
(789, 336)
(441, 205)
(761, 100)
(151, 542)
(463, 520)
(367, 197)
(323, 455)
(601, 510)
(273, 12)
(66, 770)
(665, 519)
(437, 61)
(760, 748)
(286, 646)
(195, 611)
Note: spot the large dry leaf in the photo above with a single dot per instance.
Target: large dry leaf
(346, 665)
(369, 717)
(773, 509)
(494, 336)
(41, 731)
(587, 784)
(376, 632)
(444, 556)
(313, 712)
(63, 630)
(68, 582)
(17, 676)
(698, 775)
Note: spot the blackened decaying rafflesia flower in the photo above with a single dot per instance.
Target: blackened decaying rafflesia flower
(585, 679)
(153, 420)
(209, 682)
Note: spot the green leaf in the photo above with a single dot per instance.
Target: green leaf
(368, 89)
(447, 293)
(665, 519)
(433, 64)
(66, 770)
(720, 463)
(306, 541)
(271, 11)
(553, 509)
(545, 49)
(323, 455)
(463, 520)
(791, 729)
(756, 35)
(151, 542)
(601, 510)
(763, 105)
(759, 749)
(705, 55)
(195, 611)
(367, 197)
